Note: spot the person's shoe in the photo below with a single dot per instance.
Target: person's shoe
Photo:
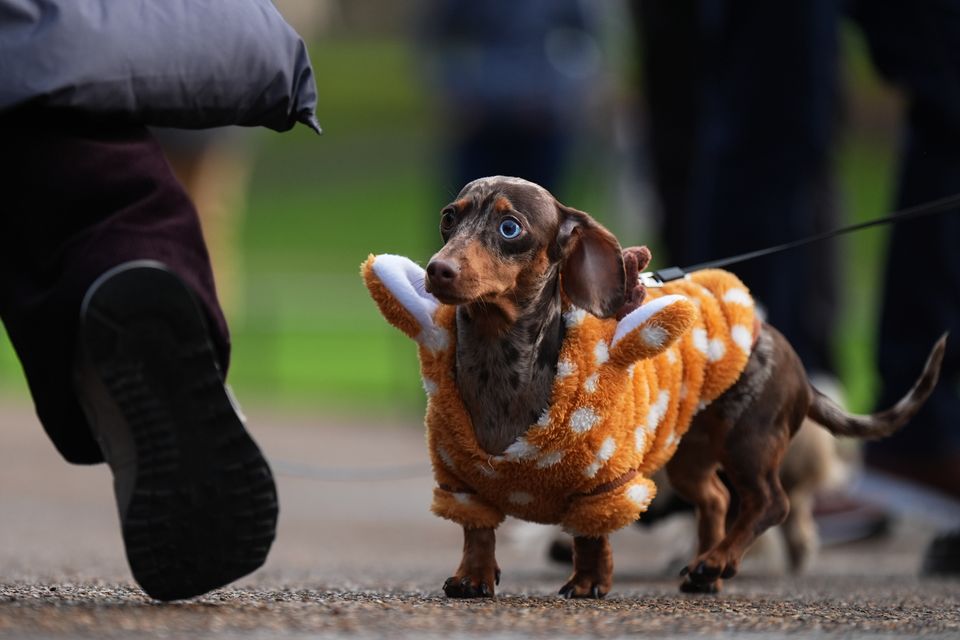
(942, 557)
(197, 501)
(843, 518)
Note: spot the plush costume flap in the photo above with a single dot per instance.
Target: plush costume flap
(651, 329)
(397, 284)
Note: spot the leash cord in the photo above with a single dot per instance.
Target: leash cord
(918, 211)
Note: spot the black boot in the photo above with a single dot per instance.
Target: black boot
(197, 501)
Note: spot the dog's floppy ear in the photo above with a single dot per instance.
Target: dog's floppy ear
(591, 271)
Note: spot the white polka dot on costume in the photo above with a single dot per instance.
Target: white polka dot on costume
(601, 352)
(742, 337)
(700, 341)
(520, 497)
(583, 419)
(574, 317)
(716, 350)
(640, 436)
(653, 336)
(565, 368)
(549, 459)
(590, 384)
(607, 449)
(639, 494)
(672, 356)
(738, 296)
(521, 449)
(429, 386)
(446, 458)
(544, 419)
(657, 410)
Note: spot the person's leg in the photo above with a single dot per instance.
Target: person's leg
(108, 296)
(214, 165)
(197, 502)
(531, 145)
(761, 166)
(83, 198)
(671, 51)
(917, 47)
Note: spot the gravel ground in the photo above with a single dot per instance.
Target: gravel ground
(365, 559)
(809, 607)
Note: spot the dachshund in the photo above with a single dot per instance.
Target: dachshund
(507, 302)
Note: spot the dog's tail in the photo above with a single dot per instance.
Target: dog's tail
(828, 413)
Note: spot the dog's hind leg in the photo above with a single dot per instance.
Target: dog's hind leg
(750, 428)
(750, 454)
(800, 530)
(592, 568)
(763, 504)
(693, 474)
(478, 572)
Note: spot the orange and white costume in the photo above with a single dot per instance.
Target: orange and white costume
(625, 393)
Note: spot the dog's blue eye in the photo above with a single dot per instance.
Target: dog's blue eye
(510, 228)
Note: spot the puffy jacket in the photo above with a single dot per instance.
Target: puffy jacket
(175, 63)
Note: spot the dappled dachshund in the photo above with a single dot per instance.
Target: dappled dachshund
(557, 386)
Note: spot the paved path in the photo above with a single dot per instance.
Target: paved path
(366, 559)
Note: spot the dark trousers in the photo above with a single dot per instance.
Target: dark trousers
(534, 146)
(917, 47)
(743, 105)
(742, 99)
(78, 199)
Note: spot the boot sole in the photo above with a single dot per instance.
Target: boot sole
(202, 505)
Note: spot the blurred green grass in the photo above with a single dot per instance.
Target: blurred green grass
(306, 334)
(309, 333)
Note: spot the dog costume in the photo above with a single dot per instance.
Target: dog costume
(624, 394)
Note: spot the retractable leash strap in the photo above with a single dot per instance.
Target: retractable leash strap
(661, 276)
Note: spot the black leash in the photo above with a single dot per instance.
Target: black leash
(659, 277)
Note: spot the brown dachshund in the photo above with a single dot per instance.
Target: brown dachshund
(514, 260)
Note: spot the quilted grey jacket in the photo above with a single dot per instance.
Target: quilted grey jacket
(175, 63)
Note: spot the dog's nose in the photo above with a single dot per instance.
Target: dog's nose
(441, 271)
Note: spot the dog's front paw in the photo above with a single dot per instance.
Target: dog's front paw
(706, 575)
(692, 586)
(471, 586)
(583, 585)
